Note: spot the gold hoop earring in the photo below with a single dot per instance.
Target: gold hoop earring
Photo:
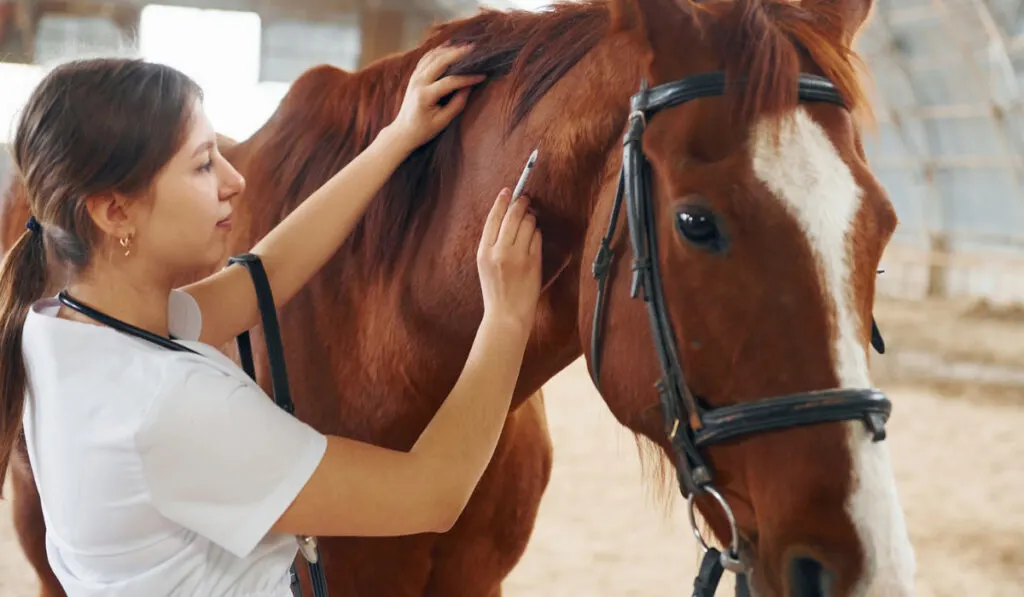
(126, 243)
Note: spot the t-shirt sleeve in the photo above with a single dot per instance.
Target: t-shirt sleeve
(221, 458)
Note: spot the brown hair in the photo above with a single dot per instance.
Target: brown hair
(89, 127)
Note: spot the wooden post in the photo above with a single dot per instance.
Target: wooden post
(19, 20)
(127, 20)
(938, 266)
(381, 33)
(6, 21)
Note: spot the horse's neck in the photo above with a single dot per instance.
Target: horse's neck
(582, 133)
(423, 314)
(580, 156)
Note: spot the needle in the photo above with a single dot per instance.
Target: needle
(525, 175)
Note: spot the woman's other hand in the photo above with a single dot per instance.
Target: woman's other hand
(509, 261)
(421, 118)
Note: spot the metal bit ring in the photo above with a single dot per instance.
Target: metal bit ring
(730, 557)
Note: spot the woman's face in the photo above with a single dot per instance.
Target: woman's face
(185, 225)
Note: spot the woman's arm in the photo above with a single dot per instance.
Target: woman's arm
(364, 490)
(360, 489)
(220, 458)
(300, 245)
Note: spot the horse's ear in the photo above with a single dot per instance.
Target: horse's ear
(653, 21)
(648, 15)
(850, 14)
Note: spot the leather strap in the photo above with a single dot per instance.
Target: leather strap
(785, 412)
(271, 333)
(278, 380)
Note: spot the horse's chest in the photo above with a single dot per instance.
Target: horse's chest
(376, 376)
(484, 545)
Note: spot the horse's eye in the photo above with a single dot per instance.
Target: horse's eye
(698, 226)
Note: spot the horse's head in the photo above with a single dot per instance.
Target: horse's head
(765, 229)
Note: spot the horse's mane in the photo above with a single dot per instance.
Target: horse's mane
(329, 115)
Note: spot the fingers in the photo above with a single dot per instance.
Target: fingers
(525, 231)
(513, 219)
(511, 225)
(448, 112)
(418, 73)
(494, 219)
(535, 243)
(435, 61)
(438, 89)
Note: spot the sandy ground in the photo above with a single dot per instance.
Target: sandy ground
(957, 447)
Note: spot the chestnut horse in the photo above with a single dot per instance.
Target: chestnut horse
(765, 225)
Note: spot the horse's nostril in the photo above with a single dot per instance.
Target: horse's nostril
(808, 578)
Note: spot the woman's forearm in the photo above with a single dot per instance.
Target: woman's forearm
(294, 250)
(460, 440)
(385, 492)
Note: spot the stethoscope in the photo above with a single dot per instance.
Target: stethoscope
(121, 326)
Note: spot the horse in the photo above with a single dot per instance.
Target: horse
(747, 256)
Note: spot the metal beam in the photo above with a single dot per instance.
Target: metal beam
(26, 21)
(969, 161)
(1010, 146)
(958, 111)
(909, 16)
(934, 237)
(310, 10)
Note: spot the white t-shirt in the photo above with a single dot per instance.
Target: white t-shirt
(160, 471)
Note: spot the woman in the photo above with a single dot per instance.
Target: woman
(169, 473)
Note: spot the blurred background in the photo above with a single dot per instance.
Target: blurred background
(949, 146)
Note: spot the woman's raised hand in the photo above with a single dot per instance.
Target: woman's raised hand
(421, 118)
(509, 262)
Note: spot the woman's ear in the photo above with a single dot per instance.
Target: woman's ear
(111, 214)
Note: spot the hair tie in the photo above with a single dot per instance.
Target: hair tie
(33, 225)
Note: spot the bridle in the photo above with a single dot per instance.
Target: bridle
(690, 425)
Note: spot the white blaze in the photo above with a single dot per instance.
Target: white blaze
(808, 176)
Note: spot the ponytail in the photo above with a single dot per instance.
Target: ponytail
(22, 282)
(137, 116)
